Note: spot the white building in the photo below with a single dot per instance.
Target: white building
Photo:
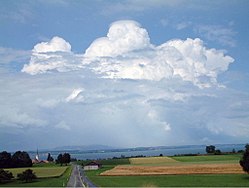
(94, 165)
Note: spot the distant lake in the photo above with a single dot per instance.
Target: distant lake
(145, 151)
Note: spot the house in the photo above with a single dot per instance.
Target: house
(37, 160)
(94, 165)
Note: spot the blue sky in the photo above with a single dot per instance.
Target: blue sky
(123, 73)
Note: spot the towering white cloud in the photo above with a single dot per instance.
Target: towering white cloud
(123, 37)
(193, 62)
(138, 59)
(126, 53)
(54, 55)
(56, 44)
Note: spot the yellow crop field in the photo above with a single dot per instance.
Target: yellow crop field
(124, 170)
(41, 172)
(152, 160)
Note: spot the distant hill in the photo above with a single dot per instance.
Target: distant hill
(85, 148)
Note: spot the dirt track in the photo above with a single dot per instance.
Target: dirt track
(122, 170)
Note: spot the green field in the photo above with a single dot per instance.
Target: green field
(170, 180)
(152, 160)
(220, 180)
(107, 161)
(53, 176)
(209, 158)
(41, 172)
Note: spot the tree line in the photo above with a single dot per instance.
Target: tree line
(18, 159)
(22, 159)
(212, 150)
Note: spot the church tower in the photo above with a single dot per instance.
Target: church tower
(37, 156)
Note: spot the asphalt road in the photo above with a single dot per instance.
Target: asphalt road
(75, 179)
(86, 181)
(78, 178)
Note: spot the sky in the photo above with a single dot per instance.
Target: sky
(123, 73)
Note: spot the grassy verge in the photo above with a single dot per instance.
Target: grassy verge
(44, 182)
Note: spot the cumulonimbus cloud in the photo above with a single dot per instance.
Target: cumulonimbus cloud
(56, 44)
(54, 55)
(126, 53)
(123, 37)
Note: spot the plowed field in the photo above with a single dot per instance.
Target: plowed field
(123, 170)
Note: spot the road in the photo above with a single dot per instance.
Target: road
(86, 181)
(78, 178)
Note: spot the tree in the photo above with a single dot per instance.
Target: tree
(21, 159)
(63, 159)
(50, 158)
(244, 162)
(210, 149)
(5, 160)
(27, 176)
(217, 152)
(5, 176)
(66, 158)
(59, 159)
(247, 147)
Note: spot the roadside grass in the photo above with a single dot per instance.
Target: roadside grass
(59, 181)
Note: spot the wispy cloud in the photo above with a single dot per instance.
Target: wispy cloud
(22, 13)
(221, 34)
(183, 25)
(9, 55)
(11, 58)
(139, 5)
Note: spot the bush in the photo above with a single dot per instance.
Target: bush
(244, 162)
(210, 149)
(217, 152)
(5, 176)
(27, 176)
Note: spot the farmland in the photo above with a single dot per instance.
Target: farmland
(174, 170)
(48, 176)
(224, 171)
(232, 158)
(152, 160)
(45, 172)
